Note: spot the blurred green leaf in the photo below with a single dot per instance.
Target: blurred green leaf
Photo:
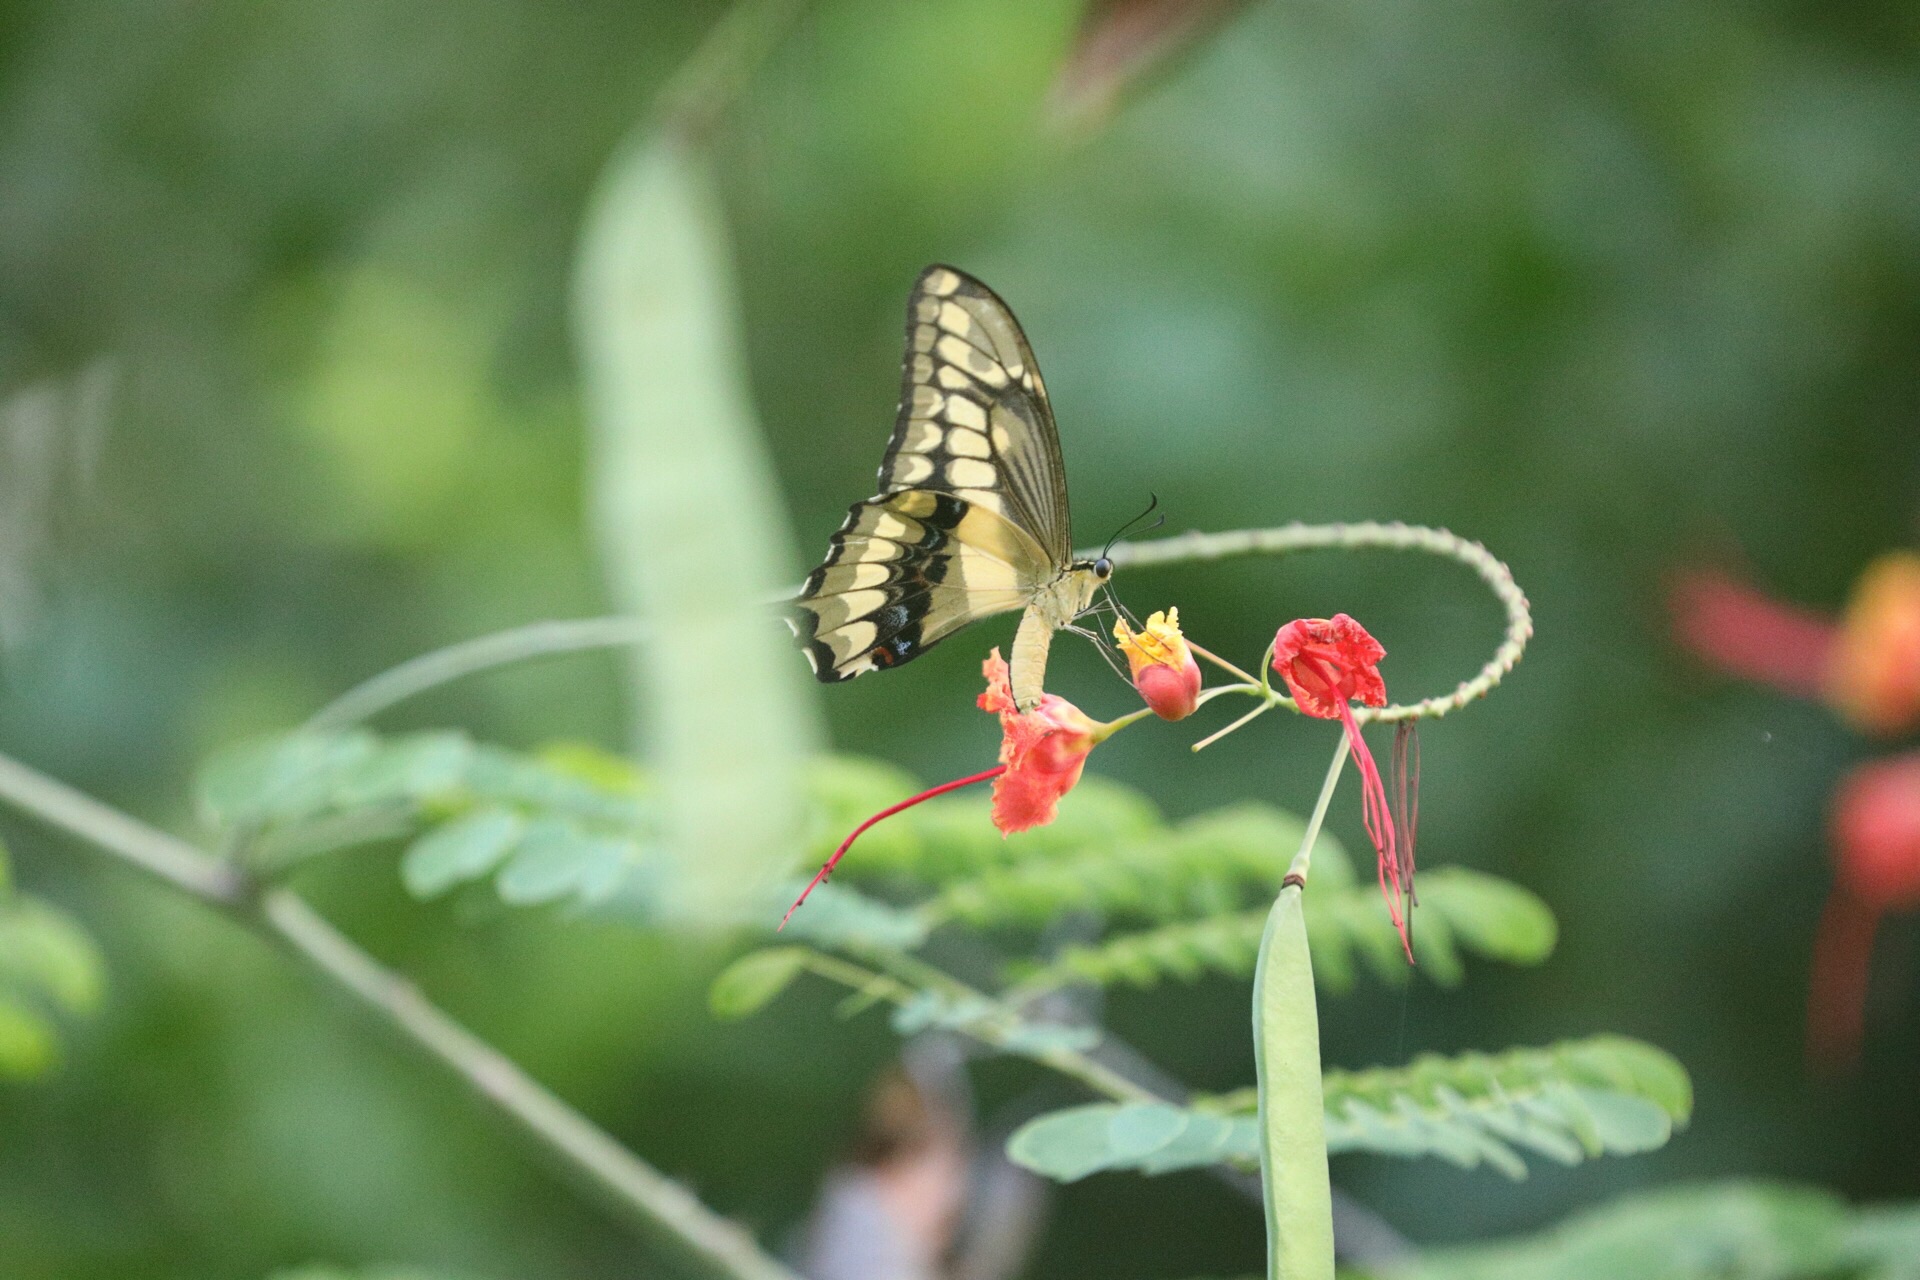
(1460, 910)
(555, 859)
(27, 1044)
(689, 521)
(459, 851)
(1748, 1231)
(1603, 1096)
(745, 986)
(43, 951)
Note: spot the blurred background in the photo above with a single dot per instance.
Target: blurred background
(290, 395)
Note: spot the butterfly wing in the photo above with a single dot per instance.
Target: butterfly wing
(974, 418)
(904, 570)
(971, 519)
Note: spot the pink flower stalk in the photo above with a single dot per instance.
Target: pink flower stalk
(1326, 664)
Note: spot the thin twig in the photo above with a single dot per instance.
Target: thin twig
(470, 657)
(1369, 536)
(642, 1194)
(541, 639)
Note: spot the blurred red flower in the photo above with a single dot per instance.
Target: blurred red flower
(1865, 665)
(1876, 851)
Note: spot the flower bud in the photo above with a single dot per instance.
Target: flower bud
(1162, 664)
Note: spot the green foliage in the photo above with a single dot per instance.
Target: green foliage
(1460, 910)
(49, 967)
(1720, 1231)
(569, 824)
(1209, 864)
(369, 1273)
(1568, 1102)
(746, 985)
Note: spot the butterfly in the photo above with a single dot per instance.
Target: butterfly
(971, 517)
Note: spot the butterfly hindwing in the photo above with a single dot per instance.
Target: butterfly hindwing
(905, 570)
(974, 419)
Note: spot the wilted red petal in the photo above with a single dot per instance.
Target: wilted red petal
(1750, 635)
(1876, 853)
(1119, 42)
(1327, 663)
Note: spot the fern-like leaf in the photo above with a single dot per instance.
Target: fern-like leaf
(1215, 863)
(1567, 1102)
(1460, 911)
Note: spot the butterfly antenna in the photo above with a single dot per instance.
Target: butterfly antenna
(1152, 503)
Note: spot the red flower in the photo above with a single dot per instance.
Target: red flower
(1041, 755)
(1866, 665)
(1163, 667)
(1327, 663)
(1041, 751)
(1876, 849)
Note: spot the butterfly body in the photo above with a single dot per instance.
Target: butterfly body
(971, 519)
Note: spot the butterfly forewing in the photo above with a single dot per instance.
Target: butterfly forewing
(974, 419)
(971, 519)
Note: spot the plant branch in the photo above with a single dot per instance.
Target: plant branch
(469, 657)
(1354, 537)
(639, 1192)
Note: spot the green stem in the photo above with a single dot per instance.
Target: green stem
(470, 657)
(636, 1190)
(1002, 1027)
(540, 639)
(1303, 858)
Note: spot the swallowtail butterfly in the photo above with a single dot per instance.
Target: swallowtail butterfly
(971, 517)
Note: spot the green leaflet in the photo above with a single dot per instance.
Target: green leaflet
(1754, 1230)
(1461, 911)
(749, 983)
(1216, 862)
(1567, 1102)
(49, 966)
(1603, 1096)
